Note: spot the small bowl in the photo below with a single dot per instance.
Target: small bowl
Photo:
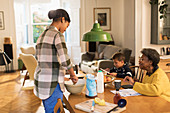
(77, 88)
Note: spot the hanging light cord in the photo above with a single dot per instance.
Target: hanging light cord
(96, 3)
(96, 21)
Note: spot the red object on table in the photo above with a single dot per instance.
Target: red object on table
(117, 97)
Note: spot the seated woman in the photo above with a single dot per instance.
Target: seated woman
(156, 82)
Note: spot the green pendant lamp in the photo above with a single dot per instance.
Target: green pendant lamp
(97, 34)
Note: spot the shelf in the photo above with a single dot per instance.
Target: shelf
(166, 27)
(155, 26)
(165, 57)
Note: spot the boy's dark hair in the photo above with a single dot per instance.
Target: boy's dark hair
(57, 15)
(152, 55)
(119, 57)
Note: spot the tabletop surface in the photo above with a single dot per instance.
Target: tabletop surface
(135, 104)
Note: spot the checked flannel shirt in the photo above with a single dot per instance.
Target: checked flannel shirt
(53, 60)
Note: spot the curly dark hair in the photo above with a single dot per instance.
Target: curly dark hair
(152, 55)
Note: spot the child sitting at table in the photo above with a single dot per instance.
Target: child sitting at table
(120, 69)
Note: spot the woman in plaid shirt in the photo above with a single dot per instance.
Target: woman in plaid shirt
(53, 60)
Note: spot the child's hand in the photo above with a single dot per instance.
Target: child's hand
(107, 69)
(113, 74)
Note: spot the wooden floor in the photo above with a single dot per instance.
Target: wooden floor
(15, 100)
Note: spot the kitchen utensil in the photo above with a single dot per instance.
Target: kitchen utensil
(121, 103)
(92, 107)
(105, 71)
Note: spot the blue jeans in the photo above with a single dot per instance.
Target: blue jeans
(50, 102)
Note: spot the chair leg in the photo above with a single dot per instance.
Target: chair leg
(68, 106)
(23, 67)
(25, 78)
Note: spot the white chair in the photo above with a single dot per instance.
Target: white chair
(30, 63)
(27, 50)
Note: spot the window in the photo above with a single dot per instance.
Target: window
(31, 19)
(39, 20)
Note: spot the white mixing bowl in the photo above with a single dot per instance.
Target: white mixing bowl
(77, 88)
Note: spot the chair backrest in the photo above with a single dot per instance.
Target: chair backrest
(28, 50)
(139, 73)
(127, 52)
(66, 105)
(59, 105)
(30, 63)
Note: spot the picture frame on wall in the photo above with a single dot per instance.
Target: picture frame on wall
(2, 25)
(103, 16)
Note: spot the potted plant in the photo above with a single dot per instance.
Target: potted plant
(162, 7)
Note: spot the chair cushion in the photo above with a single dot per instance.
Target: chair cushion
(89, 56)
(101, 55)
(110, 50)
(94, 68)
(101, 48)
(90, 63)
(127, 52)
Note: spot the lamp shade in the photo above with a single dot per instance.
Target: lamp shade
(96, 34)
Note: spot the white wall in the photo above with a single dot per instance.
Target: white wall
(87, 19)
(129, 25)
(143, 28)
(122, 20)
(8, 8)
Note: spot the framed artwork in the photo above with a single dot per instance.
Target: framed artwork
(2, 27)
(103, 16)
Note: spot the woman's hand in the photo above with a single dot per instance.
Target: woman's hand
(74, 79)
(129, 79)
(66, 79)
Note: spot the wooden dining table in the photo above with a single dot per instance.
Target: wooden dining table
(135, 104)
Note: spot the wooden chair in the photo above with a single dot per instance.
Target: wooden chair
(138, 73)
(30, 63)
(61, 106)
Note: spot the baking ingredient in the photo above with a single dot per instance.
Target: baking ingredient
(99, 101)
(100, 82)
(102, 102)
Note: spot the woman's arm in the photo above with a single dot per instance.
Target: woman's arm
(154, 88)
(62, 52)
(64, 58)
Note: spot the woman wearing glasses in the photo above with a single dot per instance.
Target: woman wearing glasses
(156, 82)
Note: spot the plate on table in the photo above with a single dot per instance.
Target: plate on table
(108, 78)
